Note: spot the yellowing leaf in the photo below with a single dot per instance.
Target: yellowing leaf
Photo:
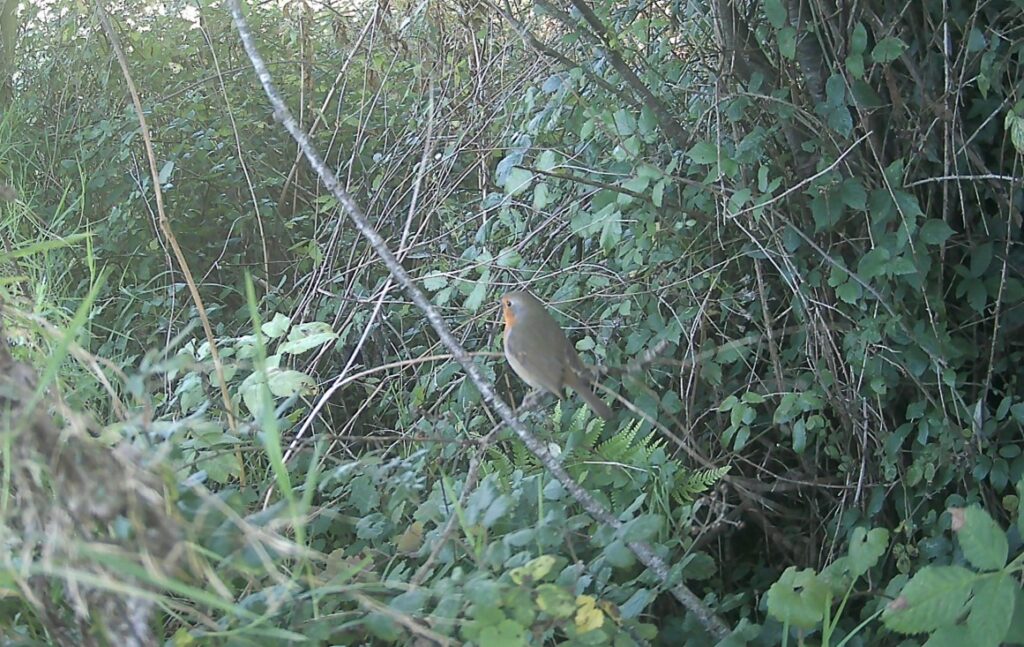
(182, 638)
(410, 540)
(534, 570)
(588, 616)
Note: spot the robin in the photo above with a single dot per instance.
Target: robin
(539, 353)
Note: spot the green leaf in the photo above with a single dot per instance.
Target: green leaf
(286, 383)
(509, 257)
(935, 231)
(506, 633)
(858, 39)
(636, 603)
(1020, 484)
(190, 392)
(787, 42)
(1015, 125)
(547, 161)
(1015, 633)
(977, 294)
(835, 90)
(38, 248)
(949, 636)
(411, 602)
(853, 195)
(587, 223)
(276, 326)
(552, 84)
(363, 494)
(901, 266)
(647, 124)
(509, 162)
(850, 292)
(907, 202)
(982, 540)
(742, 436)
(625, 123)
(540, 196)
(873, 264)
(837, 575)
(730, 402)
(619, 555)
(855, 66)
(981, 258)
(866, 548)
(555, 601)
(434, 281)
(658, 193)
(165, 171)
(799, 598)
(976, 41)
(739, 199)
(888, 50)
(984, 83)
(637, 184)
(703, 153)
(785, 410)
(800, 436)
(628, 149)
(642, 528)
(382, 626)
(834, 108)
(587, 129)
(486, 594)
(775, 12)
(741, 414)
(496, 511)
(699, 565)
(476, 297)
(826, 211)
(517, 181)
(864, 95)
(307, 336)
(991, 610)
(934, 597)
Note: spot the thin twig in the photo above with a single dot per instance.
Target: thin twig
(165, 223)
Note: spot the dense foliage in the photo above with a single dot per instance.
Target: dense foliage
(799, 216)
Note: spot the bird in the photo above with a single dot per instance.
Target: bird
(539, 353)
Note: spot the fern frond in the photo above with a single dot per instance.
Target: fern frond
(643, 450)
(522, 458)
(618, 448)
(500, 465)
(698, 482)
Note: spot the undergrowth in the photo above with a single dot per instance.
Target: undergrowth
(788, 235)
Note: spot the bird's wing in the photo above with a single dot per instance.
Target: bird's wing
(539, 370)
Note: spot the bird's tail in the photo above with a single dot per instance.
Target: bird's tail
(595, 403)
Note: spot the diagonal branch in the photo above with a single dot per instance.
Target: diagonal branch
(644, 552)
